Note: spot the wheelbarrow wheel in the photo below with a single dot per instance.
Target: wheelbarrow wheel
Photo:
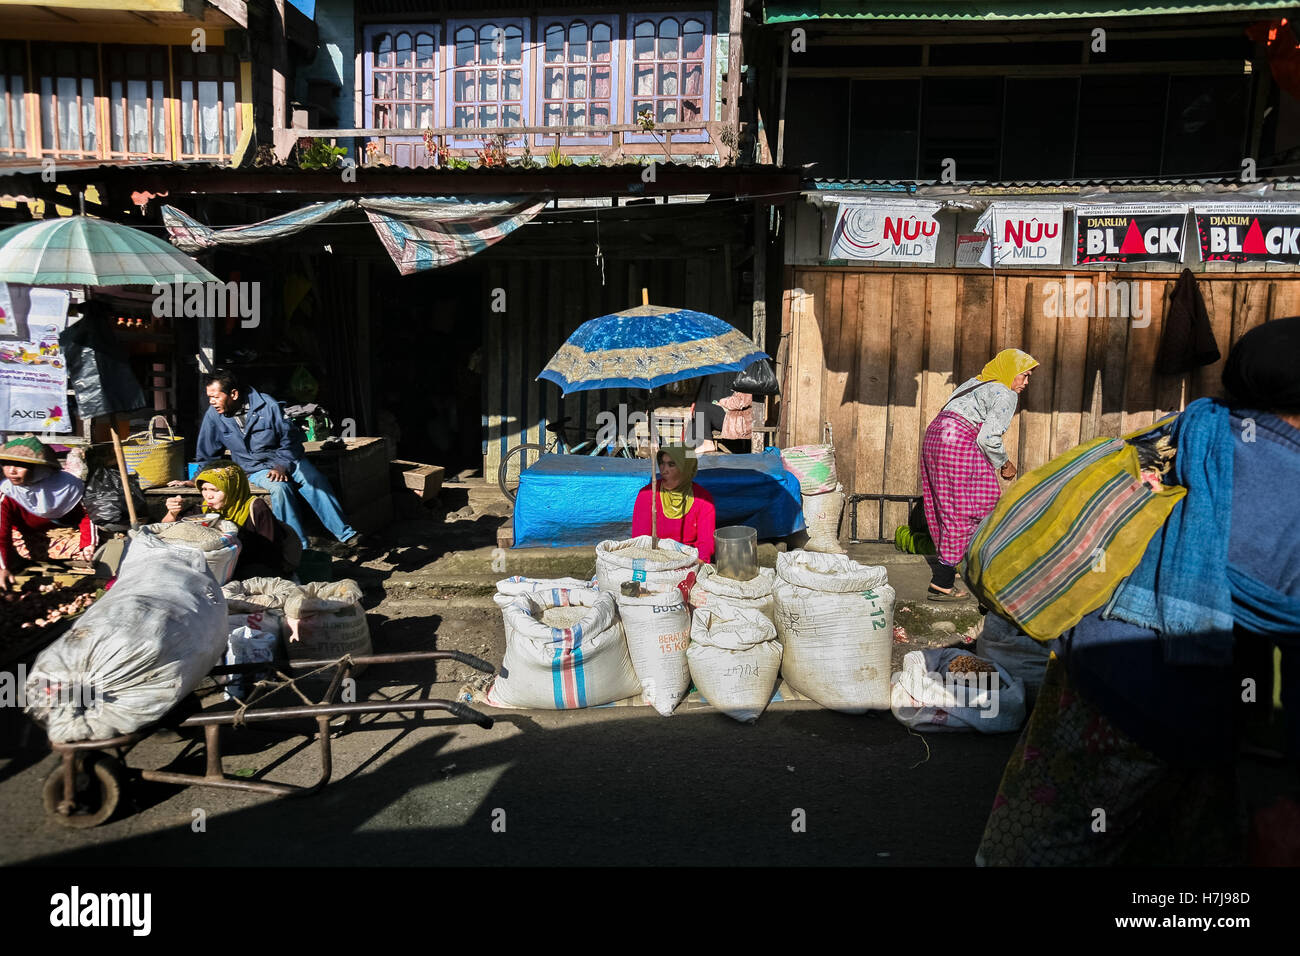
(99, 782)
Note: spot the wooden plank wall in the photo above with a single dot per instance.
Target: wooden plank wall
(876, 354)
(546, 300)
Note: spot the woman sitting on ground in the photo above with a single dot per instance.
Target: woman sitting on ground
(41, 515)
(684, 510)
(961, 457)
(268, 548)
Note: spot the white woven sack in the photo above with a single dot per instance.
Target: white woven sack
(821, 513)
(136, 652)
(715, 590)
(268, 620)
(735, 660)
(658, 629)
(835, 618)
(926, 697)
(563, 668)
(510, 588)
(219, 542)
(326, 620)
(621, 561)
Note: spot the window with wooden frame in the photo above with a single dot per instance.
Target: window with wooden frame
(578, 65)
(488, 71)
(13, 87)
(670, 72)
(402, 68)
(136, 80)
(66, 81)
(206, 87)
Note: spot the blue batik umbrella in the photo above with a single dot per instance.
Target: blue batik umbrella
(646, 347)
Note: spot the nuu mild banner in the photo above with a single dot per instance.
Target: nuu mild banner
(886, 232)
(1131, 232)
(1022, 233)
(1249, 232)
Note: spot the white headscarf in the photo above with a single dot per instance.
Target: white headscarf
(50, 498)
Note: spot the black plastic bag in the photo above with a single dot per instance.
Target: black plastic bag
(758, 379)
(106, 504)
(98, 371)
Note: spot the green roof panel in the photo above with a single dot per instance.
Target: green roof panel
(793, 11)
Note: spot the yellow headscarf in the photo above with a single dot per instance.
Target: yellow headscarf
(239, 497)
(1006, 365)
(675, 504)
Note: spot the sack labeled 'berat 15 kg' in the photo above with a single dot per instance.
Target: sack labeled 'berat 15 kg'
(658, 629)
(582, 661)
(836, 621)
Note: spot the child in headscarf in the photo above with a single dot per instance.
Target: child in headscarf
(685, 510)
(962, 449)
(41, 516)
(267, 546)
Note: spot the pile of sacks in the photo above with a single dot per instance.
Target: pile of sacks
(823, 621)
(821, 492)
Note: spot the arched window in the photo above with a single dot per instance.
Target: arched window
(577, 77)
(403, 77)
(669, 72)
(488, 84)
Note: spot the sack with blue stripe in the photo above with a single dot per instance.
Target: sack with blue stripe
(565, 649)
(1064, 536)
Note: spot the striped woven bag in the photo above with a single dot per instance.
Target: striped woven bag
(1062, 538)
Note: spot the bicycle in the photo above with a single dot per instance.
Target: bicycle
(529, 452)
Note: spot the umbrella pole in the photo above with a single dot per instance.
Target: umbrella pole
(654, 474)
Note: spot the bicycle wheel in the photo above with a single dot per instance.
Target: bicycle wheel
(515, 461)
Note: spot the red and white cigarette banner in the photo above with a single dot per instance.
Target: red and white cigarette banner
(1023, 233)
(886, 232)
(1249, 232)
(1136, 232)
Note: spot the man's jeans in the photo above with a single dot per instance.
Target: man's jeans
(315, 489)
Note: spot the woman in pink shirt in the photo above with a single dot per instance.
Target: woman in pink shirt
(685, 510)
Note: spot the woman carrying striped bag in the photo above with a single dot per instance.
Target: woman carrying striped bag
(962, 449)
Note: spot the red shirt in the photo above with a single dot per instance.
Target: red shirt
(695, 528)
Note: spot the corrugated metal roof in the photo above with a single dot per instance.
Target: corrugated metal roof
(795, 11)
(911, 185)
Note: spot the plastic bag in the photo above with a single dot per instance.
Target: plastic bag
(98, 371)
(106, 504)
(137, 652)
(758, 379)
(927, 696)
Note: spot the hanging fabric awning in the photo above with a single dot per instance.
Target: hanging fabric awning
(419, 232)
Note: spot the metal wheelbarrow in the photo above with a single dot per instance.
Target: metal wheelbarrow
(86, 789)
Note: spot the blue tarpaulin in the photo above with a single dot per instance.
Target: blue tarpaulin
(574, 500)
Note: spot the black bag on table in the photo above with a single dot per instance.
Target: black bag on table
(758, 379)
(106, 504)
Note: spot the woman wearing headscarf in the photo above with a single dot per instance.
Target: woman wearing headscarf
(41, 516)
(685, 510)
(267, 546)
(961, 457)
(1143, 699)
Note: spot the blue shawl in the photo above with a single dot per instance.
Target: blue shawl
(1185, 588)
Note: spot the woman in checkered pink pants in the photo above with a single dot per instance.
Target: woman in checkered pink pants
(961, 458)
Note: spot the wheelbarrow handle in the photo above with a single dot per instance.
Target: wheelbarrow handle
(475, 662)
(470, 715)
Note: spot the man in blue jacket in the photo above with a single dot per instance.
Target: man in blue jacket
(261, 441)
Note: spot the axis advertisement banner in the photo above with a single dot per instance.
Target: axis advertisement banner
(1023, 233)
(886, 232)
(1134, 232)
(1249, 232)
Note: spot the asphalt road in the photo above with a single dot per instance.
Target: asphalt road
(614, 786)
